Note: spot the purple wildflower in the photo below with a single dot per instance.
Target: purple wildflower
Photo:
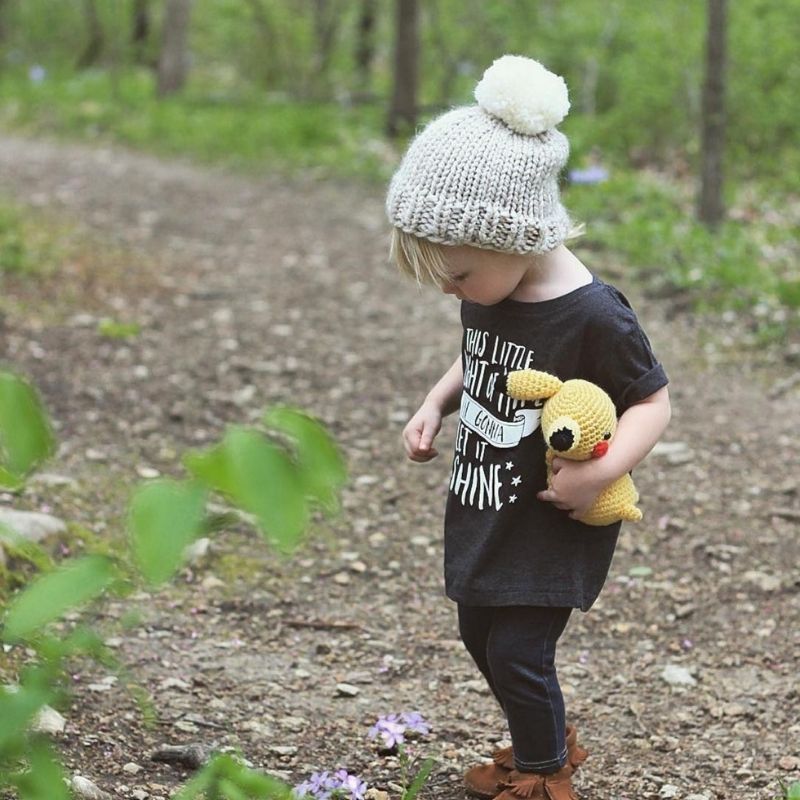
(414, 722)
(351, 785)
(319, 785)
(389, 729)
(593, 174)
(37, 73)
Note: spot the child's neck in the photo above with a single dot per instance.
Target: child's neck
(551, 275)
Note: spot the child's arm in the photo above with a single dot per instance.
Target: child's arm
(422, 428)
(576, 484)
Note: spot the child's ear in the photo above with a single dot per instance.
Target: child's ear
(529, 384)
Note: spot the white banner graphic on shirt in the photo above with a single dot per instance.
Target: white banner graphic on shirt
(501, 433)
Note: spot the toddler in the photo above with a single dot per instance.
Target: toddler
(476, 211)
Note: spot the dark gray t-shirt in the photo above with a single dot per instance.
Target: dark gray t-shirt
(503, 546)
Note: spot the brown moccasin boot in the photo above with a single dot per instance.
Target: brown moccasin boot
(535, 786)
(483, 780)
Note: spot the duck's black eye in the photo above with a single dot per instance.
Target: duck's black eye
(607, 436)
(561, 439)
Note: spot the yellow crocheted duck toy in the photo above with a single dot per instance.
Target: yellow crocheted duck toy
(578, 421)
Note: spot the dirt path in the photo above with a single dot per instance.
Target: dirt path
(257, 291)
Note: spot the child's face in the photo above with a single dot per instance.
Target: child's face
(482, 276)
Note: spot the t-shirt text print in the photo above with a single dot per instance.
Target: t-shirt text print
(489, 417)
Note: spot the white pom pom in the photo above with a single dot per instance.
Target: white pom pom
(524, 94)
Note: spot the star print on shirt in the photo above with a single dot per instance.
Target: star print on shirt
(509, 465)
(512, 499)
(516, 481)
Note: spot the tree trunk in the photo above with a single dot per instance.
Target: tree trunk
(140, 30)
(710, 207)
(365, 47)
(94, 46)
(325, 19)
(173, 63)
(403, 107)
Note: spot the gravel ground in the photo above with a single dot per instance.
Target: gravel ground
(252, 291)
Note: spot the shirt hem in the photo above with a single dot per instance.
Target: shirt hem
(547, 599)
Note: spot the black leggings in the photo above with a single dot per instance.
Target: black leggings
(515, 648)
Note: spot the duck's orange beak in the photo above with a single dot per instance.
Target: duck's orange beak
(600, 449)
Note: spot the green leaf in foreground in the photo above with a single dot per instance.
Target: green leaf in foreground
(48, 597)
(259, 477)
(44, 779)
(19, 705)
(419, 779)
(26, 437)
(321, 464)
(165, 516)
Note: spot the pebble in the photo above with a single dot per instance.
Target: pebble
(132, 768)
(677, 676)
(668, 790)
(48, 720)
(283, 750)
(342, 578)
(88, 790)
(346, 690)
(32, 525)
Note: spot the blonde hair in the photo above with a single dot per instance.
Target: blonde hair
(425, 261)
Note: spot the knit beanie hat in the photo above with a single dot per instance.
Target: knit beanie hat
(487, 175)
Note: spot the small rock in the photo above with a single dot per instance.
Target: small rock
(677, 676)
(31, 525)
(139, 794)
(341, 578)
(765, 582)
(52, 479)
(734, 710)
(48, 720)
(701, 796)
(146, 472)
(789, 763)
(189, 755)
(346, 690)
(86, 789)
(294, 724)
(283, 750)
(668, 790)
(212, 582)
(174, 683)
(197, 550)
(133, 769)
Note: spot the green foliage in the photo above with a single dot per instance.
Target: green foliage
(44, 779)
(26, 438)
(13, 253)
(647, 222)
(118, 330)
(419, 779)
(278, 476)
(790, 792)
(224, 777)
(165, 517)
(50, 596)
(635, 93)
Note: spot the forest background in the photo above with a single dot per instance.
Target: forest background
(316, 84)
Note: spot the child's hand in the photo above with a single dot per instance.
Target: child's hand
(575, 485)
(421, 430)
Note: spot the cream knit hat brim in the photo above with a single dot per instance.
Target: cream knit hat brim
(469, 178)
